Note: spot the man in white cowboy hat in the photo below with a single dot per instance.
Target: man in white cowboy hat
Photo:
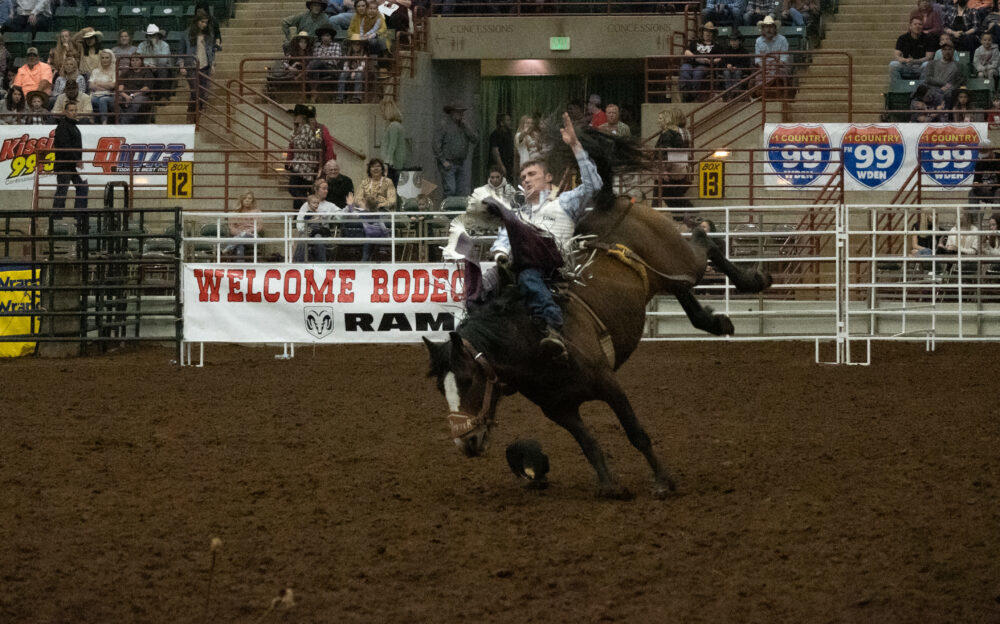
(770, 42)
(155, 52)
(309, 21)
(759, 9)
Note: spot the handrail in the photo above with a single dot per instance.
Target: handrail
(496, 8)
(373, 86)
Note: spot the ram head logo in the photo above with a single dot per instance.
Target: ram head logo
(319, 322)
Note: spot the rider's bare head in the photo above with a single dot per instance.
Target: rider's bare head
(535, 177)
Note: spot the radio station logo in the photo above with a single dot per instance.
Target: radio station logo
(948, 153)
(873, 154)
(21, 154)
(799, 154)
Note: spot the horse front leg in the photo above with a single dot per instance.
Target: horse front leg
(569, 419)
(702, 317)
(615, 397)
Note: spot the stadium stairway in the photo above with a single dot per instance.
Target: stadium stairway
(868, 31)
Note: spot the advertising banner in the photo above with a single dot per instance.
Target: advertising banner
(18, 300)
(307, 303)
(147, 148)
(876, 156)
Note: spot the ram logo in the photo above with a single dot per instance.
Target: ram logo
(319, 322)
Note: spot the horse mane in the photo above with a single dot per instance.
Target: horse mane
(488, 327)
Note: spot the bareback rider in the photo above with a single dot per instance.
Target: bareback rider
(556, 214)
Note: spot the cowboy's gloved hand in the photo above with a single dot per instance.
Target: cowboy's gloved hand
(493, 207)
(502, 259)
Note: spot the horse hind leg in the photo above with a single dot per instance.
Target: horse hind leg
(745, 280)
(702, 317)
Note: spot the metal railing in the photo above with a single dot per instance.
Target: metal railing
(362, 79)
(486, 8)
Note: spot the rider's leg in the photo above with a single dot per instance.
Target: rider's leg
(543, 308)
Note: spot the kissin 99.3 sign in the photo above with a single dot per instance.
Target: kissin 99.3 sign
(876, 156)
(143, 149)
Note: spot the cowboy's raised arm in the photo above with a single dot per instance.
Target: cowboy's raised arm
(575, 201)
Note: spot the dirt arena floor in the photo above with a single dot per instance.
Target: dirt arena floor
(808, 493)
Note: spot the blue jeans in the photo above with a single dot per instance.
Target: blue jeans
(899, 70)
(353, 79)
(538, 298)
(63, 180)
(450, 177)
(723, 15)
(102, 104)
(341, 21)
(796, 17)
(692, 78)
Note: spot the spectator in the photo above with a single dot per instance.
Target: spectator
(913, 52)
(91, 42)
(501, 145)
(725, 12)
(991, 242)
(293, 66)
(103, 83)
(37, 111)
(352, 79)
(69, 72)
(961, 108)
(134, 87)
(961, 23)
(528, 142)
(34, 75)
(930, 17)
(198, 47)
(6, 14)
(304, 153)
(33, 15)
(675, 141)
(707, 226)
(760, 9)
(595, 114)
(800, 12)
(962, 238)
(325, 70)
(451, 149)
(6, 65)
(986, 59)
(370, 26)
(699, 63)
(393, 139)
(925, 103)
(84, 106)
(945, 74)
(314, 221)
(66, 46)
(243, 226)
(399, 18)
(922, 245)
(155, 54)
(339, 186)
(12, 107)
(614, 125)
(378, 191)
(124, 50)
(312, 19)
(369, 228)
(986, 175)
(213, 26)
(68, 146)
(735, 66)
(770, 42)
(496, 187)
(340, 13)
(575, 110)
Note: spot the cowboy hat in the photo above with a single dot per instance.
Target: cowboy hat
(93, 33)
(41, 94)
(767, 21)
(708, 26)
(302, 35)
(454, 106)
(305, 110)
(153, 30)
(326, 29)
(312, 2)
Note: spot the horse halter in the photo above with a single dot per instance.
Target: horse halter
(463, 423)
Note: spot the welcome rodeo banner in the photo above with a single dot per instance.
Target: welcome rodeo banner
(146, 148)
(877, 157)
(309, 303)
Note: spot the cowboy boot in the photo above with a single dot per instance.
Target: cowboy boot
(552, 344)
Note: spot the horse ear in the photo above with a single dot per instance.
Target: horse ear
(440, 357)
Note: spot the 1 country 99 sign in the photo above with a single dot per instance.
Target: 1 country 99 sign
(799, 154)
(948, 153)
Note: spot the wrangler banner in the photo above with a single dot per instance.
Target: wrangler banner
(877, 157)
(316, 303)
(146, 149)
(17, 301)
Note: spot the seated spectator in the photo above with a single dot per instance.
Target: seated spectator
(736, 65)
(154, 46)
(986, 59)
(801, 12)
(340, 186)
(103, 84)
(37, 111)
(243, 226)
(33, 15)
(370, 228)
(313, 221)
(575, 110)
(913, 52)
(12, 106)
(496, 187)
(6, 15)
(925, 103)
(370, 26)
(930, 18)
(377, 189)
(725, 12)
(595, 114)
(91, 41)
(84, 107)
(770, 42)
(943, 39)
(922, 244)
(34, 75)
(962, 23)
(325, 69)
(293, 67)
(961, 112)
(125, 49)
(340, 13)
(307, 22)
(759, 9)
(699, 63)
(352, 78)
(614, 124)
(990, 245)
(134, 86)
(69, 72)
(961, 238)
(945, 74)
(66, 46)
(986, 175)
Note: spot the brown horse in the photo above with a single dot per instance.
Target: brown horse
(495, 349)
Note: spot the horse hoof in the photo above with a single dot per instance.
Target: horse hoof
(614, 492)
(723, 326)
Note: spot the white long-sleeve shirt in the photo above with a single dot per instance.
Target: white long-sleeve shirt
(968, 243)
(307, 216)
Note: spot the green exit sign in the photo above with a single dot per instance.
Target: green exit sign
(559, 43)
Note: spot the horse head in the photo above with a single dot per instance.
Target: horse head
(469, 384)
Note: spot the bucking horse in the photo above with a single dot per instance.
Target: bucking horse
(632, 253)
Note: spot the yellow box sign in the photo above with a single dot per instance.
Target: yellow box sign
(180, 180)
(711, 179)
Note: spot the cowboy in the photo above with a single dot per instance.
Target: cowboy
(769, 42)
(556, 214)
(309, 21)
(451, 149)
(156, 53)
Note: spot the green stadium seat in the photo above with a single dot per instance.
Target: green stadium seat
(174, 39)
(17, 42)
(104, 19)
(749, 36)
(796, 35)
(168, 17)
(723, 32)
(133, 17)
(68, 18)
(980, 92)
(898, 98)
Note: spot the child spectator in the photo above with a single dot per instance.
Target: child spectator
(736, 65)
(986, 59)
(925, 102)
(37, 111)
(352, 79)
(961, 112)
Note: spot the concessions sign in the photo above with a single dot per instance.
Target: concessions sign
(144, 150)
(875, 156)
(307, 303)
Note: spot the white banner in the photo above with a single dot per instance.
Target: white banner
(320, 303)
(877, 157)
(147, 147)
